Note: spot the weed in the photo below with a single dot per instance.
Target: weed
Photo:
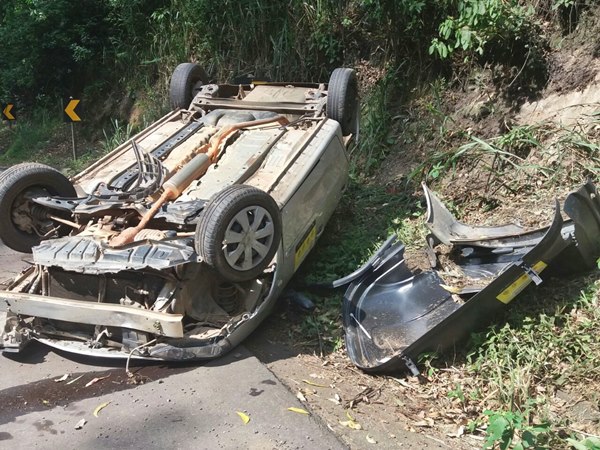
(321, 329)
(376, 122)
(119, 134)
(589, 443)
(430, 361)
(506, 427)
(458, 393)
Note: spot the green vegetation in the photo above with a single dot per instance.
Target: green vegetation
(548, 343)
(28, 139)
(413, 57)
(482, 23)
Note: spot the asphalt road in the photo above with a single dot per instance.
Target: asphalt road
(177, 406)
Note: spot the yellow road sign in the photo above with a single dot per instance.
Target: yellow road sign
(70, 110)
(6, 112)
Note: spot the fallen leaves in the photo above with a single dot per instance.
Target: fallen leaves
(245, 417)
(298, 410)
(336, 399)
(95, 380)
(100, 407)
(366, 395)
(312, 383)
(350, 423)
(426, 422)
(74, 380)
(63, 378)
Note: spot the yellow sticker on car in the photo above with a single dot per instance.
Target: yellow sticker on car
(519, 284)
(305, 245)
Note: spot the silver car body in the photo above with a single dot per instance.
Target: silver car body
(154, 297)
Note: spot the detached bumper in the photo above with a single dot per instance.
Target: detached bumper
(392, 315)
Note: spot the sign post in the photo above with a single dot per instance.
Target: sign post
(9, 114)
(71, 116)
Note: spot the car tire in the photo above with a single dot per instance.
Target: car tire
(183, 84)
(342, 100)
(239, 232)
(17, 181)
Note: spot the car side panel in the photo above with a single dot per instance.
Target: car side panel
(310, 202)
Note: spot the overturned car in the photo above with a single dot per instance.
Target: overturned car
(176, 245)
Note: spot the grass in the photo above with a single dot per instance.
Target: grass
(366, 216)
(377, 134)
(511, 373)
(27, 139)
(47, 140)
(505, 158)
(120, 133)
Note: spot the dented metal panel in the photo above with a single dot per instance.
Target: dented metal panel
(87, 255)
(392, 315)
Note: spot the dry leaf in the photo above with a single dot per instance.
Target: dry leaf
(95, 380)
(404, 383)
(370, 440)
(458, 433)
(245, 417)
(336, 399)
(73, 381)
(80, 424)
(100, 407)
(351, 424)
(314, 384)
(451, 289)
(63, 378)
(428, 422)
(298, 410)
(300, 396)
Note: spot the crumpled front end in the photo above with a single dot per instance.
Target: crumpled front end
(392, 315)
(148, 299)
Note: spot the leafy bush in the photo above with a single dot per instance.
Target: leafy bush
(478, 23)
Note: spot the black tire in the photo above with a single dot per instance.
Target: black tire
(222, 215)
(184, 84)
(17, 182)
(342, 100)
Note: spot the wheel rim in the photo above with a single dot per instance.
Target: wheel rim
(248, 238)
